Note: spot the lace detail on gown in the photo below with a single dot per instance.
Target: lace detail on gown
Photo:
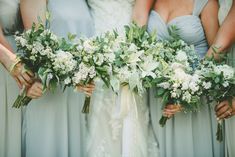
(110, 14)
(115, 130)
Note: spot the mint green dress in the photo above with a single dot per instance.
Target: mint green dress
(225, 6)
(192, 134)
(54, 125)
(10, 118)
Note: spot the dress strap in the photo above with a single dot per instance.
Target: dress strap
(199, 6)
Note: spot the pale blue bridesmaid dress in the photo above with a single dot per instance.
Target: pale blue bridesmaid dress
(54, 125)
(225, 6)
(10, 118)
(192, 134)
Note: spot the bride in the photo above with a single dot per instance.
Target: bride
(111, 133)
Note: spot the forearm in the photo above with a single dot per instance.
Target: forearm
(6, 57)
(141, 11)
(31, 10)
(226, 34)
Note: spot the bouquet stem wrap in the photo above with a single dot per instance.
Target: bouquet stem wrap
(219, 133)
(22, 99)
(86, 106)
(163, 121)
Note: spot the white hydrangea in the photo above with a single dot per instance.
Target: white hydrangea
(88, 47)
(181, 56)
(64, 62)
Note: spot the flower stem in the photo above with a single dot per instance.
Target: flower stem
(163, 121)
(219, 133)
(86, 106)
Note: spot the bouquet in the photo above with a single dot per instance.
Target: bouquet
(47, 56)
(134, 59)
(95, 60)
(218, 82)
(177, 82)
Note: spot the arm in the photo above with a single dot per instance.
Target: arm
(8, 59)
(226, 34)
(6, 55)
(31, 10)
(209, 18)
(141, 11)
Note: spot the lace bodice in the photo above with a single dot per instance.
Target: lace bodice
(9, 11)
(110, 14)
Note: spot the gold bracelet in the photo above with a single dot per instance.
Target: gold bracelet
(12, 67)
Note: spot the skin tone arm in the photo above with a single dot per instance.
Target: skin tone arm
(141, 11)
(8, 58)
(30, 11)
(226, 34)
(211, 26)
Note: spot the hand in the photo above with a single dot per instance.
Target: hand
(21, 76)
(224, 110)
(35, 91)
(171, 109)
(88, 89)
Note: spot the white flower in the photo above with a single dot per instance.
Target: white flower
(99, 59)
(206, 85)
(164, 85)
(173, 94)
(181, 56)
(133, 48)
(110, 57)
(64, 62)
(23, 42)
(187, 97)
(226, 84)
(148, 66)
(135, 57)
(67, 81)
(88, 47)
(92, 72)
(176, 65)
(193, 86)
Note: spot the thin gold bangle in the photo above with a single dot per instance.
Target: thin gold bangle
(12, 67)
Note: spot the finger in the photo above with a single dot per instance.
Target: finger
(30, 73)
(222, 111)
(226, 113)
(34, 95)
(22, 81)
(38, 85)
(90, 86)
(175, 110)
(27, 78)
(89, 94)
(219, 106)
(85, 89)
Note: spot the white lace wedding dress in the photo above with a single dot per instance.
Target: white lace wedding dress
(114, 130)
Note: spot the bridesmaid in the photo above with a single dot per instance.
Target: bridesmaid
(53, 125)
(10, 118)
(225, 39)
(193, 134)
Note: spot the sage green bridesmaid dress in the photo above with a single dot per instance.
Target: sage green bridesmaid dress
(192, 134)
